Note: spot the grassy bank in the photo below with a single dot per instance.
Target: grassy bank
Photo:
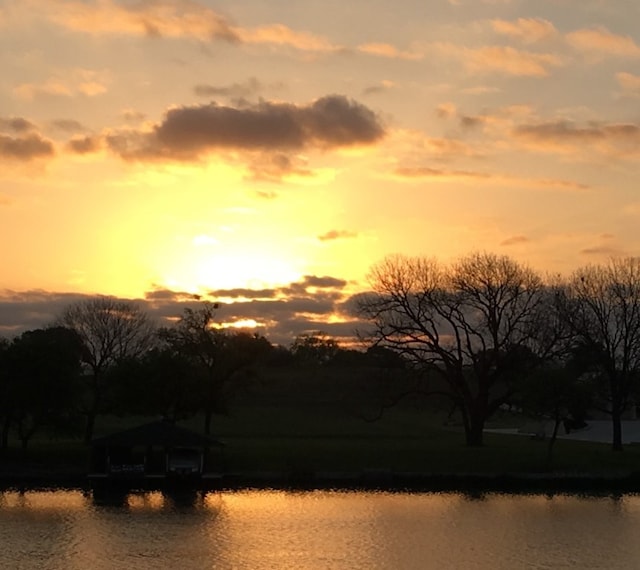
(323, 438)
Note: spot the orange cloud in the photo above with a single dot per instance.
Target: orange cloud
(389, 51)
(502, 59)
(66, 83)
(630, 83)
(599, 42)
(280, 35)
(164, 18)
(527, 30)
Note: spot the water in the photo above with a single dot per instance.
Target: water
(257, 530)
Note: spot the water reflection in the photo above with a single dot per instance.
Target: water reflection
(315, 530)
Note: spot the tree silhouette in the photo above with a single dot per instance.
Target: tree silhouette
(601, 305)
(111, 330)
(476, 323)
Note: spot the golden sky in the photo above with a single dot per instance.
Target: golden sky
(273, 151)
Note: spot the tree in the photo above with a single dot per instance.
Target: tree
(160, 382)
(476, 323)
(111, 330)
(558, 393)
(314, 348)
(218, 354)
(43, 368)
(601, 305)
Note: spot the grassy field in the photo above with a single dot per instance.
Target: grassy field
(316, 425)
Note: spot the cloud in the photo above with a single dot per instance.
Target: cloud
(188, 132)
(66, 83)
(312, 303)
(25, 148)
(630, 83)
(504, 60)
(281, 35)
(602, 251)
(389, 51)
(509, 61)
(562, 135)
(527, 30)
(600, 42)
(160, 18)
(381, 87)
(177, 19)
(514, 240)
(422, 172)
(471, 176)
(85, 144)
(332, 235)
(68, 125)
(16, 124)
(237, 90)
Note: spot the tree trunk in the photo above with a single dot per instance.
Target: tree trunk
(208, 415)
(89, 426)
(616, 419)
(474, 430)
(551, 442)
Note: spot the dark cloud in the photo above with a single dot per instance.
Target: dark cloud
(337, 234)
(84, 145)
(186, 133)
(468, 122)
(26, 147)
(16, 124)
(282, 313)
(240, 293)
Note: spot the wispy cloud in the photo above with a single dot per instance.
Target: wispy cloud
(390, 51)
(505, 60)
(527, 30)
(621, 139)
(333, 235)
(514, 240)
(66, 83)
(600, 42)
(629, 83)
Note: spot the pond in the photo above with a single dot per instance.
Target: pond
(254, 530)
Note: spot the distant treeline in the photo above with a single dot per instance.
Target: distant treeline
(483, 333)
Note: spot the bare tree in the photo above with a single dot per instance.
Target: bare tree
(476, 323)
(110, 330)
(220, 356)
(601, 304)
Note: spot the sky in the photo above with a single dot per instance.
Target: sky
(266, 154)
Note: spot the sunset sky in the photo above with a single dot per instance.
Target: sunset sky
(268, 153)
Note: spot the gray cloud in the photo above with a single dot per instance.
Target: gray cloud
(188, 132)
(16, 124)
(25, 148)
(84, 145)
(282, 313)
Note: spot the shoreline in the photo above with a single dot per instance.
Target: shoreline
(366, 480)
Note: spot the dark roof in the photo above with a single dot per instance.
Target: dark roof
(162, 432)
